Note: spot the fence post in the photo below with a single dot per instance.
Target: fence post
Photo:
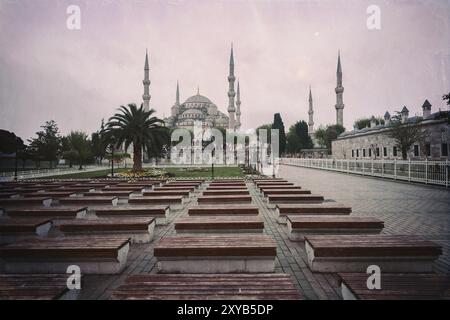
(409, 169)
(371, 161)
(395, 169)
(446, 173)
(363, 173)
(426, 170)
(382, 167)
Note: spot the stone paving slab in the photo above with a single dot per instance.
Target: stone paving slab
(405, 208)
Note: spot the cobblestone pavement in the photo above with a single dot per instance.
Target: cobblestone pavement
(405, 208)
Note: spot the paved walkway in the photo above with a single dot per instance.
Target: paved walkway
(406, 209)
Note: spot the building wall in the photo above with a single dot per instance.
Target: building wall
(439, 134)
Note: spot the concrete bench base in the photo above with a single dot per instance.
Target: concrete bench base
(52, 212)
(36, 287)
(136, 236)
(299, 227)
(309, 209)
(216, 264)
(97, 266)
(159, 213)
(39, 230)
(300, 234)
(355, 253)
(94, 255)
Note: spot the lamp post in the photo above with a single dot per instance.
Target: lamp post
(112, 161)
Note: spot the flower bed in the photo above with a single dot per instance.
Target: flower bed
(146, 173)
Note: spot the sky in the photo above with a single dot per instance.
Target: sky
(79, 77)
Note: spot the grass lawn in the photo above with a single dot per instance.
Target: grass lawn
(176, 172)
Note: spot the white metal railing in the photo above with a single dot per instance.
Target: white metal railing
(428, 172)
(40, 173)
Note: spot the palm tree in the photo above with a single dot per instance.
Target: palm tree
(137, 127)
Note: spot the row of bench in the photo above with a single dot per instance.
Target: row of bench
(219, 252)
(339, 243)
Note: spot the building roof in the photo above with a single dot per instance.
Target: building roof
(198, 98)
(426, 105)
(411, 120)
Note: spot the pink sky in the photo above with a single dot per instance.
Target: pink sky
(281, 47)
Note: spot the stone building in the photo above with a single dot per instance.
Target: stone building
(374, 142)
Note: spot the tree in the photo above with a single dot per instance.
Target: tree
(365, 122)
(137, 127)
(97, 147)
(446, 97)
(278, 124)
(80, 147)
(298, 137)
(325, 135)
(10, 143)
(47, 144)
(406, 134)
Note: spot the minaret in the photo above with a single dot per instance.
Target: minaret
(177, 101)
(146, 82)
(231, 93)
(238, 107)
(339, 94)
(176, 107)
(311, 115)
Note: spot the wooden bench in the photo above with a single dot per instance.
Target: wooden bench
(216, 254)
(226, 192)
(307, 209)
(223, 210)
(227, 184)
(296, 198)
(279, 187)
(396, 286)
(268, 192)
(226, 188)
(354, 253)
(263, 286)
(94, 255)
(188, 185)
(77, 189)
(12, 230)
(50, 194)
(36, 287)
(6, 195)
(123, 194)
(139, 230)
(158, 212)
(50, 212)
(219, 224)
(144, 185)
(225, 199)
(119, 189)
(168, 188)
(160, 193)
(300, 226)
(85, 200)
(35, 201)
(26, 190)
(157, 200)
